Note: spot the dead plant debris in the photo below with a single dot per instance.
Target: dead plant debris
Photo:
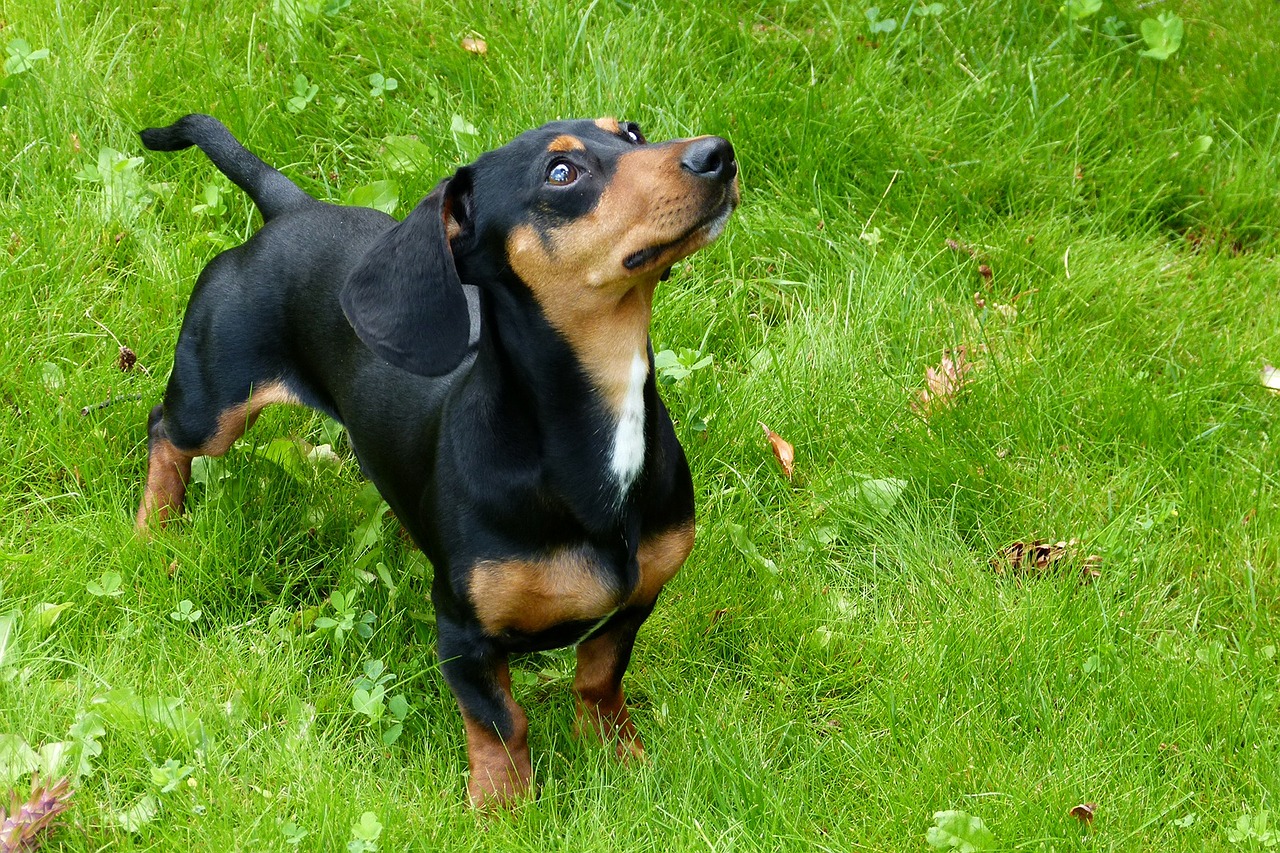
(1084, 812)
(782, 451)
(1041, 556)
(944, 383)
(716, 616)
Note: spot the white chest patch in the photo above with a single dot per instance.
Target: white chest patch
(628, 441)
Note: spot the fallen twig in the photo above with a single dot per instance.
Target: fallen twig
(128, 398)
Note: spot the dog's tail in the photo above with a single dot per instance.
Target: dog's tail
(270, 190)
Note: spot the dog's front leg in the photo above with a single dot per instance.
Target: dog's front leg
(497, 728)
(602, 705)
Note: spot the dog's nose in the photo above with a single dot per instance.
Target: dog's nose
(710, 157)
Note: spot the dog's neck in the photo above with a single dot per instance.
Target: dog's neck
(610, 341)
(585, 381)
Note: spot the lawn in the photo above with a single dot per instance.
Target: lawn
(1087, 235)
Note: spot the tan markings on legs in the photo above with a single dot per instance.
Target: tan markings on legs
(500, 770)
(168, 470)
(660, 557)
(565, 143)
(533, 595)
(235, 421)
(601, 704)
(169, 467)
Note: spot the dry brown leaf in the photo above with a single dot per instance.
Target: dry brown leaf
(1039, 556)
(782, 450)
(128, 358)
(1084, 812)
(1271, 378)
(475, 45)
(1028, 557)
(75, 143)
(984, 270)
(945, 382)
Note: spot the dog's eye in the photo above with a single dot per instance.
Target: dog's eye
(562, 173)
(631, 130)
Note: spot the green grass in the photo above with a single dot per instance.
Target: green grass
(821, 675)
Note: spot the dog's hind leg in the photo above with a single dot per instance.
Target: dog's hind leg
(168, 471)
(181, 430)
(227, 367)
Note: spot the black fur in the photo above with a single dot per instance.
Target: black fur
(471, 413)
(405, 300)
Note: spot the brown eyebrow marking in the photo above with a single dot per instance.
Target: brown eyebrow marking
(609, 124)
(566, 142)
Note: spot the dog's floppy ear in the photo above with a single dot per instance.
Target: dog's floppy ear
(404, 299)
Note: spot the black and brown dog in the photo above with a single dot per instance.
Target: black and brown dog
(490, 359)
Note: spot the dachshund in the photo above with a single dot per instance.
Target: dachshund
(489, 357)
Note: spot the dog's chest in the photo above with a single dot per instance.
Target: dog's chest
(628, 439)
(530, 596)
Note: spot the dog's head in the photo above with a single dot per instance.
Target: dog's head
(586, 215)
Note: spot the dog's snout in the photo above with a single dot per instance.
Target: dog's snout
(710, 157)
